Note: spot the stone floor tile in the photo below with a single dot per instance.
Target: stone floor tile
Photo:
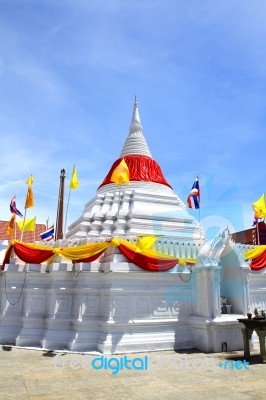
(30, 374)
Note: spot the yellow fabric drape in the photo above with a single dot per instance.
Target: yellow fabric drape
(253, 253)
(33, 246)
(85, 251)
(120, 173)
(145, 242)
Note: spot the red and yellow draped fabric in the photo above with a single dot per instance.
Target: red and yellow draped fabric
(257, 257)
(149, 260)
(32, 254)
(143, 257)
(35, 254)
(140, 254)
(141, 168)
(86, 253)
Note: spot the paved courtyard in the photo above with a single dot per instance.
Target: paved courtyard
(35, 374)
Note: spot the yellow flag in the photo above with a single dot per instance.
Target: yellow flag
(29, 225)
(30, 181)
(11, 225)
(260, 207)
(145, 242)
(74, 183)
(120, 173)
(29, 198)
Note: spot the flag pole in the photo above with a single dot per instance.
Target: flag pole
(199, 225)
(29, 202)
(258, 233)
(199, 208)
(66, 212)
(60, 207)
(23, 225)
(15, 227)
(118, 210)
(74, 183)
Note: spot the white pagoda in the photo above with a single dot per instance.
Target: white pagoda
(148, 205)
(112, 304)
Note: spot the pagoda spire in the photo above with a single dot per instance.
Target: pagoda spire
(135, 142)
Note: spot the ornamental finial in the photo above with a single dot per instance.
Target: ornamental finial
(135, 142)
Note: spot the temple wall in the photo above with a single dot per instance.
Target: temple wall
(108, 307)
(257, 290)
(113, 306)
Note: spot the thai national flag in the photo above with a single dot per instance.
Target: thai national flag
(256, 219)
(255, 222)
(48, 234)
(193, 199)
(13, 207)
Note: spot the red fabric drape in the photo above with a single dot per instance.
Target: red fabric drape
(141, 168)
(258, 262)
(147, 263)
(32, 256)
(7, 257)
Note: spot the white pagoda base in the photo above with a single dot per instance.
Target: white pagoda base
(112, 306)
(107, 307)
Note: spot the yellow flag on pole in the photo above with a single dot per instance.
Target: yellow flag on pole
(11, 225)
(29, 198)
(29, 225)
(260, 207)
(120, 173)
(30, 181)
(74, 183)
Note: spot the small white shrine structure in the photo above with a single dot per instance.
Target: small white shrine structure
(112, 305)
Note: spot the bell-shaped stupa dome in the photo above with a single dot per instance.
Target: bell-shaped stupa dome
(136, 153)
(147, 205)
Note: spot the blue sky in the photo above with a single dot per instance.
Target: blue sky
(69, 71)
